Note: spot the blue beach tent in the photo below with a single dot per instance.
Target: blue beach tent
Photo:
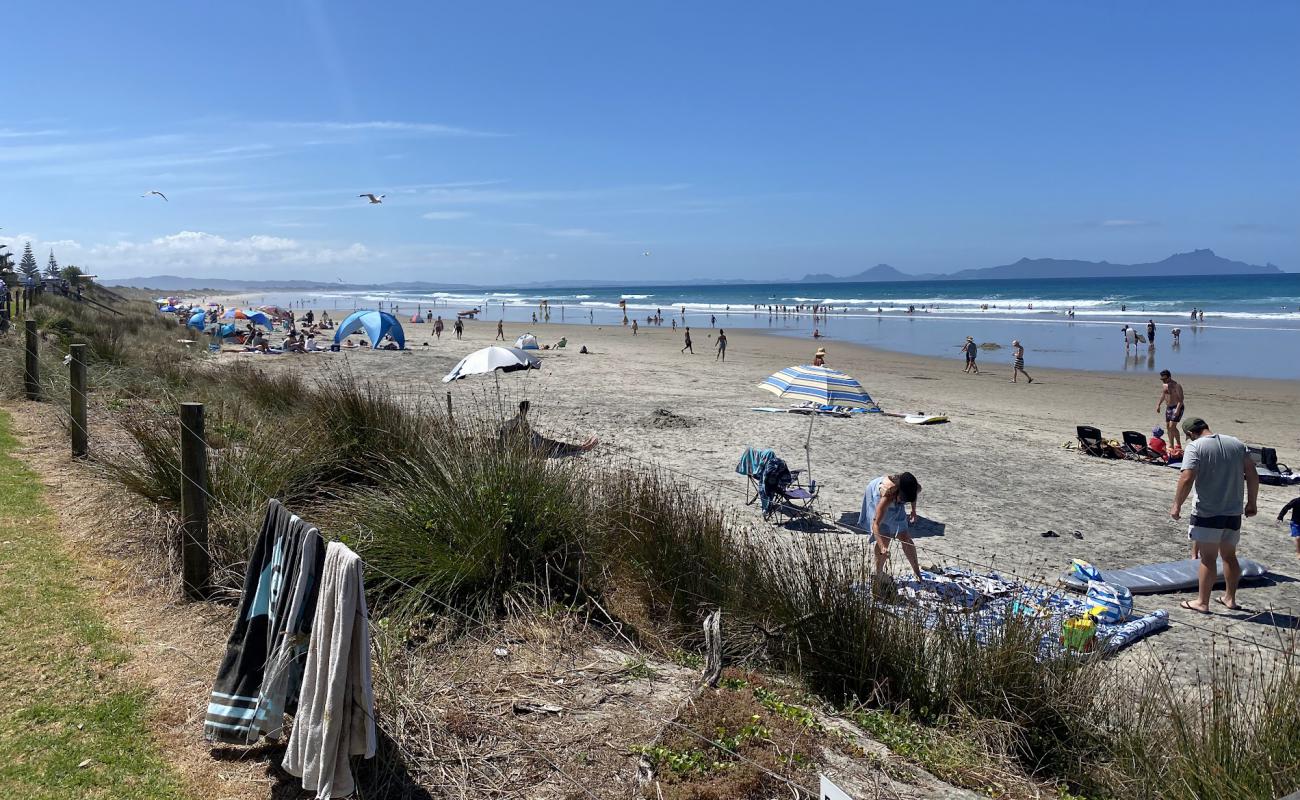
(197, 319)
(376, 324)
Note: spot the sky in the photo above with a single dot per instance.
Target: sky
(526, 141)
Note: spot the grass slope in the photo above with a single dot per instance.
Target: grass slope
(68, 726)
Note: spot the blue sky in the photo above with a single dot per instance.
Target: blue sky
(526, 141)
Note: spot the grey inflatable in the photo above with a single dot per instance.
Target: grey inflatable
(1171, 576)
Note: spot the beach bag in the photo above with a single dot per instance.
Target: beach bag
(1111, 604)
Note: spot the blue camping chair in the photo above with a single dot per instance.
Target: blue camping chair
(774, 485)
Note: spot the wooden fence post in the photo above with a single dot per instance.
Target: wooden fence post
(31, 368)
(448, 405)
(80, 433)
(195, 567)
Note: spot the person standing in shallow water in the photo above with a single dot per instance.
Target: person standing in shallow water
(1018, 361)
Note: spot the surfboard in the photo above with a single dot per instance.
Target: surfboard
(924, 419)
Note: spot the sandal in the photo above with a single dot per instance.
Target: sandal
(1049, 534)
(1078, 534)
(1224, 603)
(1187, 604)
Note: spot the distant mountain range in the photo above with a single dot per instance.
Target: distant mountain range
(1197, 262)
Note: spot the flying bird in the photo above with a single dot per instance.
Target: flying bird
(374, 200)
(153, 192)
(646, 253)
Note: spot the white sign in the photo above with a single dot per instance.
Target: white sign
(830, 791)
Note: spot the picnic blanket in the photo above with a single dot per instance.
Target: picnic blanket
(983, 603)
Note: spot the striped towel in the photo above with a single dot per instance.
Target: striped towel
(752, 461)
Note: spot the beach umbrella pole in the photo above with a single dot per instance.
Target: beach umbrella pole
(807, 447)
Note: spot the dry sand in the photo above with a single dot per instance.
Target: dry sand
(995, 477)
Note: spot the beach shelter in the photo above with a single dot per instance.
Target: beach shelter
(376, 324)
(527, 341)
(255, 317)
(227, 331)
(197, 319)
(493, 359)
(821, 385)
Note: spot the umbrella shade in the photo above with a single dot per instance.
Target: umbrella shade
(819, 384)
(169, 309)
(255, 317)
(274, 311)
(491, 359)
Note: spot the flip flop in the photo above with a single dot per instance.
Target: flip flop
(1078, 534)
(1187, 604)
(1221, 602)
(1049, 534)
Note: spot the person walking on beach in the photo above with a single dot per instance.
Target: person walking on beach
(634, 327)
(971, 350)
(501, 331)
(1018, 362)
(1217, 467)
(1151, 333)
(1130, 338)
(1294, 508)
(437, 328)
(459, 327)
(687, 346)
(1171, 397)
(885, 516)
(721, 346)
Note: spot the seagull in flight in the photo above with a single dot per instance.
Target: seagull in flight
(646, 253)
(374, 199)
(153, 192)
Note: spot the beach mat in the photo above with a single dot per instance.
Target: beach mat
(1171, 576)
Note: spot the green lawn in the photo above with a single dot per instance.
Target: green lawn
(69, 727)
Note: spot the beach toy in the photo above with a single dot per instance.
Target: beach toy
(1079, 634)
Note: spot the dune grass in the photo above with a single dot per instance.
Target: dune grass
(68, 726)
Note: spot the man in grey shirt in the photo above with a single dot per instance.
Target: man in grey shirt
(1218, 467)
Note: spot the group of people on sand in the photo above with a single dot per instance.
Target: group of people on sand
(971, 351)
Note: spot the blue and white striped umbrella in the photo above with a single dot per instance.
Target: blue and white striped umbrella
(821, 385)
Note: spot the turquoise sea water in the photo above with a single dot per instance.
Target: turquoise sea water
(1251, 326)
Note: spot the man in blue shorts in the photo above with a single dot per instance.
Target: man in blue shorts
(1217, 467)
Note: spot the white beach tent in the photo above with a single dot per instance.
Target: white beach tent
(527, 341)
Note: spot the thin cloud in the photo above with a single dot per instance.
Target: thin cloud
(10, 133)
(574, 233)
(390, 126)
(446, 215)
(1266, 228)
(1126, 223)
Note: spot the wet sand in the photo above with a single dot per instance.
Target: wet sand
(994, 477)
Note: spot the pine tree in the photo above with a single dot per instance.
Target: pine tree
(28, 265)
(52, 268)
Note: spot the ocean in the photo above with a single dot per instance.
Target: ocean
(1251, 326)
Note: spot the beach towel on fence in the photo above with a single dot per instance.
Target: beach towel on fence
(336, 712)
(239, 678)
(295, 576)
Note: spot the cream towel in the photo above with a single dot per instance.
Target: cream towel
(336, 712)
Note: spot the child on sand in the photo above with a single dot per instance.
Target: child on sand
(1294, 508)
(885, 516)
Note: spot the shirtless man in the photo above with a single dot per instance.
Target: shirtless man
(1172, 399)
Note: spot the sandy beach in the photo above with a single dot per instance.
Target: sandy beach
(994, 478)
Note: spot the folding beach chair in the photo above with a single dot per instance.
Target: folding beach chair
(1135, 446)
(774, 484)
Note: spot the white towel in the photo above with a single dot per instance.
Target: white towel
(336, 718)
